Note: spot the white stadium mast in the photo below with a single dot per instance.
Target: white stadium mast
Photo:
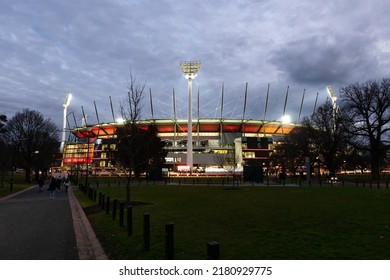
(66, 104)
(334, 106)
(190, 70)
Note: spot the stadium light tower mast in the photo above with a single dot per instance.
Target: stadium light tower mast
(334, 105)
(190, 70)
(66, 104)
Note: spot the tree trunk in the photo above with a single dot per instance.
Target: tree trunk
(27, 176)
(375, 167)
(128, 184)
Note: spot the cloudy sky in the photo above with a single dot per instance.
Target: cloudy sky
(50, 48)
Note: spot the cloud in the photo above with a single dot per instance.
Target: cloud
(50, 48)
(320, 60)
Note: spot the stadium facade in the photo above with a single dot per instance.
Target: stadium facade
(218, 144)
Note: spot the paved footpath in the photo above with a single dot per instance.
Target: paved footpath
(35, 227)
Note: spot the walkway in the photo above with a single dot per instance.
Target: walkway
(35, 227)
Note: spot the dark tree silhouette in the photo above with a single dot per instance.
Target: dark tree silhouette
(368, 107)
(32, 139)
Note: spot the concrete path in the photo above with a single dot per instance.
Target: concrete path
(35, 227)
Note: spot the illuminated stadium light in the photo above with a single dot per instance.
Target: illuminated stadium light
(286, 119)
(120, 120)
(66, 104)
(190, 70)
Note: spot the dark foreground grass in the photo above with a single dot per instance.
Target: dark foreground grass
(251, 222)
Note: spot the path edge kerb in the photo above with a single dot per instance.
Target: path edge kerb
(88, 246)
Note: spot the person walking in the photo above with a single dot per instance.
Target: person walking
(52, 188)
(41, 182)
(66, 184)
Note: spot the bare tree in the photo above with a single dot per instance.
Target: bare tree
(328, 136)
(138, 147)
(368, 107)
(3, 120)
(131, 108)
(32, 139)
(227, 162)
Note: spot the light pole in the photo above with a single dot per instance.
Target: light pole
(66, 104)
(334, 106)
(190, 70)
(89, 131)
(15, 144)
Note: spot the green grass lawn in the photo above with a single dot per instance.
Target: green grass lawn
(251, 222)
(18, 185)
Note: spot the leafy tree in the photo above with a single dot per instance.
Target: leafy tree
(368, 107)
(294, 149)
(320, 138)
(32, 139)
(140, 148)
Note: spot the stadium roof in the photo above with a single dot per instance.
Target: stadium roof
(199, 125)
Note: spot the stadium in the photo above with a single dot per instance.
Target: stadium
(213, 145)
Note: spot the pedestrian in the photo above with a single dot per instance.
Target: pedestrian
(52, 188)
(66, 184)
(58, 184)
(41, 182)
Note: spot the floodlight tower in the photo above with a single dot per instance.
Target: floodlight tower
(334, 106)
(66, 104)
(190, 70)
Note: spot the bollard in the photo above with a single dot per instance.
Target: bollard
(129, 220)
(213, 250)
(100, 198)
(121, 210)
(103, 201)
(114, 208)
(146, 231)
(107, 205)
(169, 245)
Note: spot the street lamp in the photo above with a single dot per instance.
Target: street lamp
(15, 144)
(66, 104)
(190, 70)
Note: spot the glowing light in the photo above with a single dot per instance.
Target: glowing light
(120, 120)
(286, 119)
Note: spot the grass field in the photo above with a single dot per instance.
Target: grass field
(250, 222)
(18, 185)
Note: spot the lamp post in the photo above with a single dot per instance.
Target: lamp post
(66, 104)
(89, 132)
(13, 161)
(190, 70)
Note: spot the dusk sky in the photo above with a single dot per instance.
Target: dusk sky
(50, 48)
